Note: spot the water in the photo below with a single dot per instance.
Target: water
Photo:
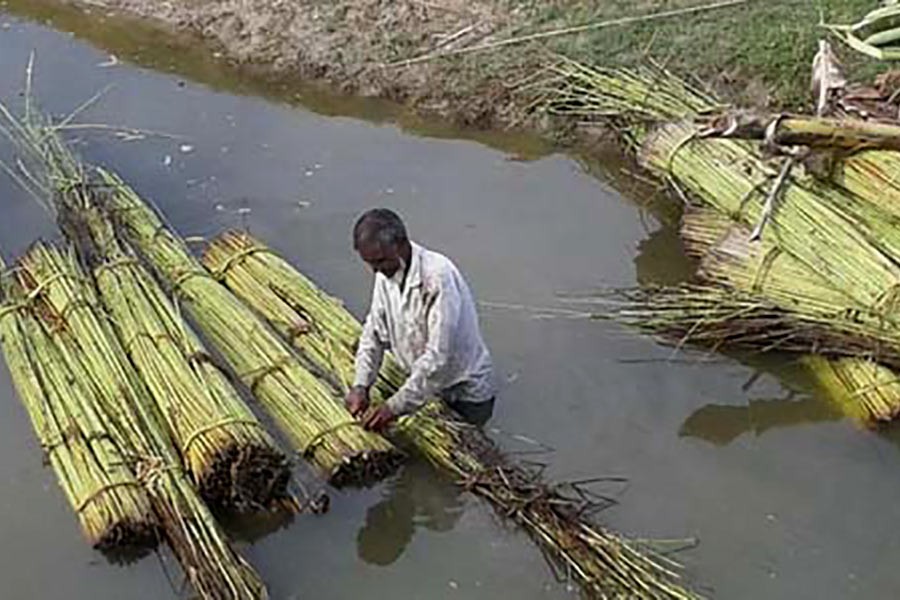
(787, 500)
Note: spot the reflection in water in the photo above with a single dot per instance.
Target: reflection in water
(251, 527)
(145, 43)
(661, 259)
(721, 424)
(417, 497)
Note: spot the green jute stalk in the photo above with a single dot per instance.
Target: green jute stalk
(809, 223)
(634, 101)
(113, 509)
(71, 314)
(817, 229)
(315, 422)
(232, 460)
(861, 388)
(310, 413)
(872, 175)
(318, 325)
(717, 318)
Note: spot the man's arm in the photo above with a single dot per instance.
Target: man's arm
(369, 356)
(370, 351)
(424, 378)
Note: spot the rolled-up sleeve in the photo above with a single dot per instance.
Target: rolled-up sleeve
(426, 375)
(370, 351)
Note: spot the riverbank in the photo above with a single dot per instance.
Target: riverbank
(756, 54)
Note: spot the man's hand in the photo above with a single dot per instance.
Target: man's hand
(357, 400)
(379, 419)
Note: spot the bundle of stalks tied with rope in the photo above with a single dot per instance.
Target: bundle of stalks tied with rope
(68, 361)
(799, 259)
(230, 456)
(112, 507)
(232, 459)
(309, 412)
(67, 309)
(557, 517)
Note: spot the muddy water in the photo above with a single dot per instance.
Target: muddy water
(787, 500)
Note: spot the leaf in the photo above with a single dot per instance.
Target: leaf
(827, 76)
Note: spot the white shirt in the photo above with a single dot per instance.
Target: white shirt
(431, 327)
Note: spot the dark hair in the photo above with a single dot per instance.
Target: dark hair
(380, 225)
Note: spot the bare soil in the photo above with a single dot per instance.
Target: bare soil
(360, 46)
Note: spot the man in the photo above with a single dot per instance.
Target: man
(423, 312)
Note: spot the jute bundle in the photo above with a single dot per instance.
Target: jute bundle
(862, 388)
(231, 458)
(312, 418)
(318, 325)
(310, 413)
(113, 508)
(824, 254)
(70, 312)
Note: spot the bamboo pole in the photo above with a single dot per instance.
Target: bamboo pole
(846, 134)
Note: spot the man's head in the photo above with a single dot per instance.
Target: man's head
(380, 238)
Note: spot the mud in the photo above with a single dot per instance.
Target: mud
(361, 47)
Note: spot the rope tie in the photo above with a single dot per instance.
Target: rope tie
(102, 490)
(159, 337)
(261, 373)
(222, 423)
(72, 305)
(745, 199)
(39, 288)
(320, 437)
(765, 266)
(116, 264)
(222, 271)
(9, 309)
(180, 278)
(151, 468)
(677, 148)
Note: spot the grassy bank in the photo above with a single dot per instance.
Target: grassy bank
(758, 53)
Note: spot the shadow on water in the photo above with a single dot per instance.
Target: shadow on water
(661, 261)
(151, 45)
(721, 424)
(253, 527)
(418, 497)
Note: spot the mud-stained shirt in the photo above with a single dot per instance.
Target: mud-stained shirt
(431, 327)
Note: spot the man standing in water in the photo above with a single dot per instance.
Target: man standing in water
(423, 312)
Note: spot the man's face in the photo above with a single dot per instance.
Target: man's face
(382, 258)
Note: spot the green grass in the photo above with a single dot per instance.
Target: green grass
(757, 54)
